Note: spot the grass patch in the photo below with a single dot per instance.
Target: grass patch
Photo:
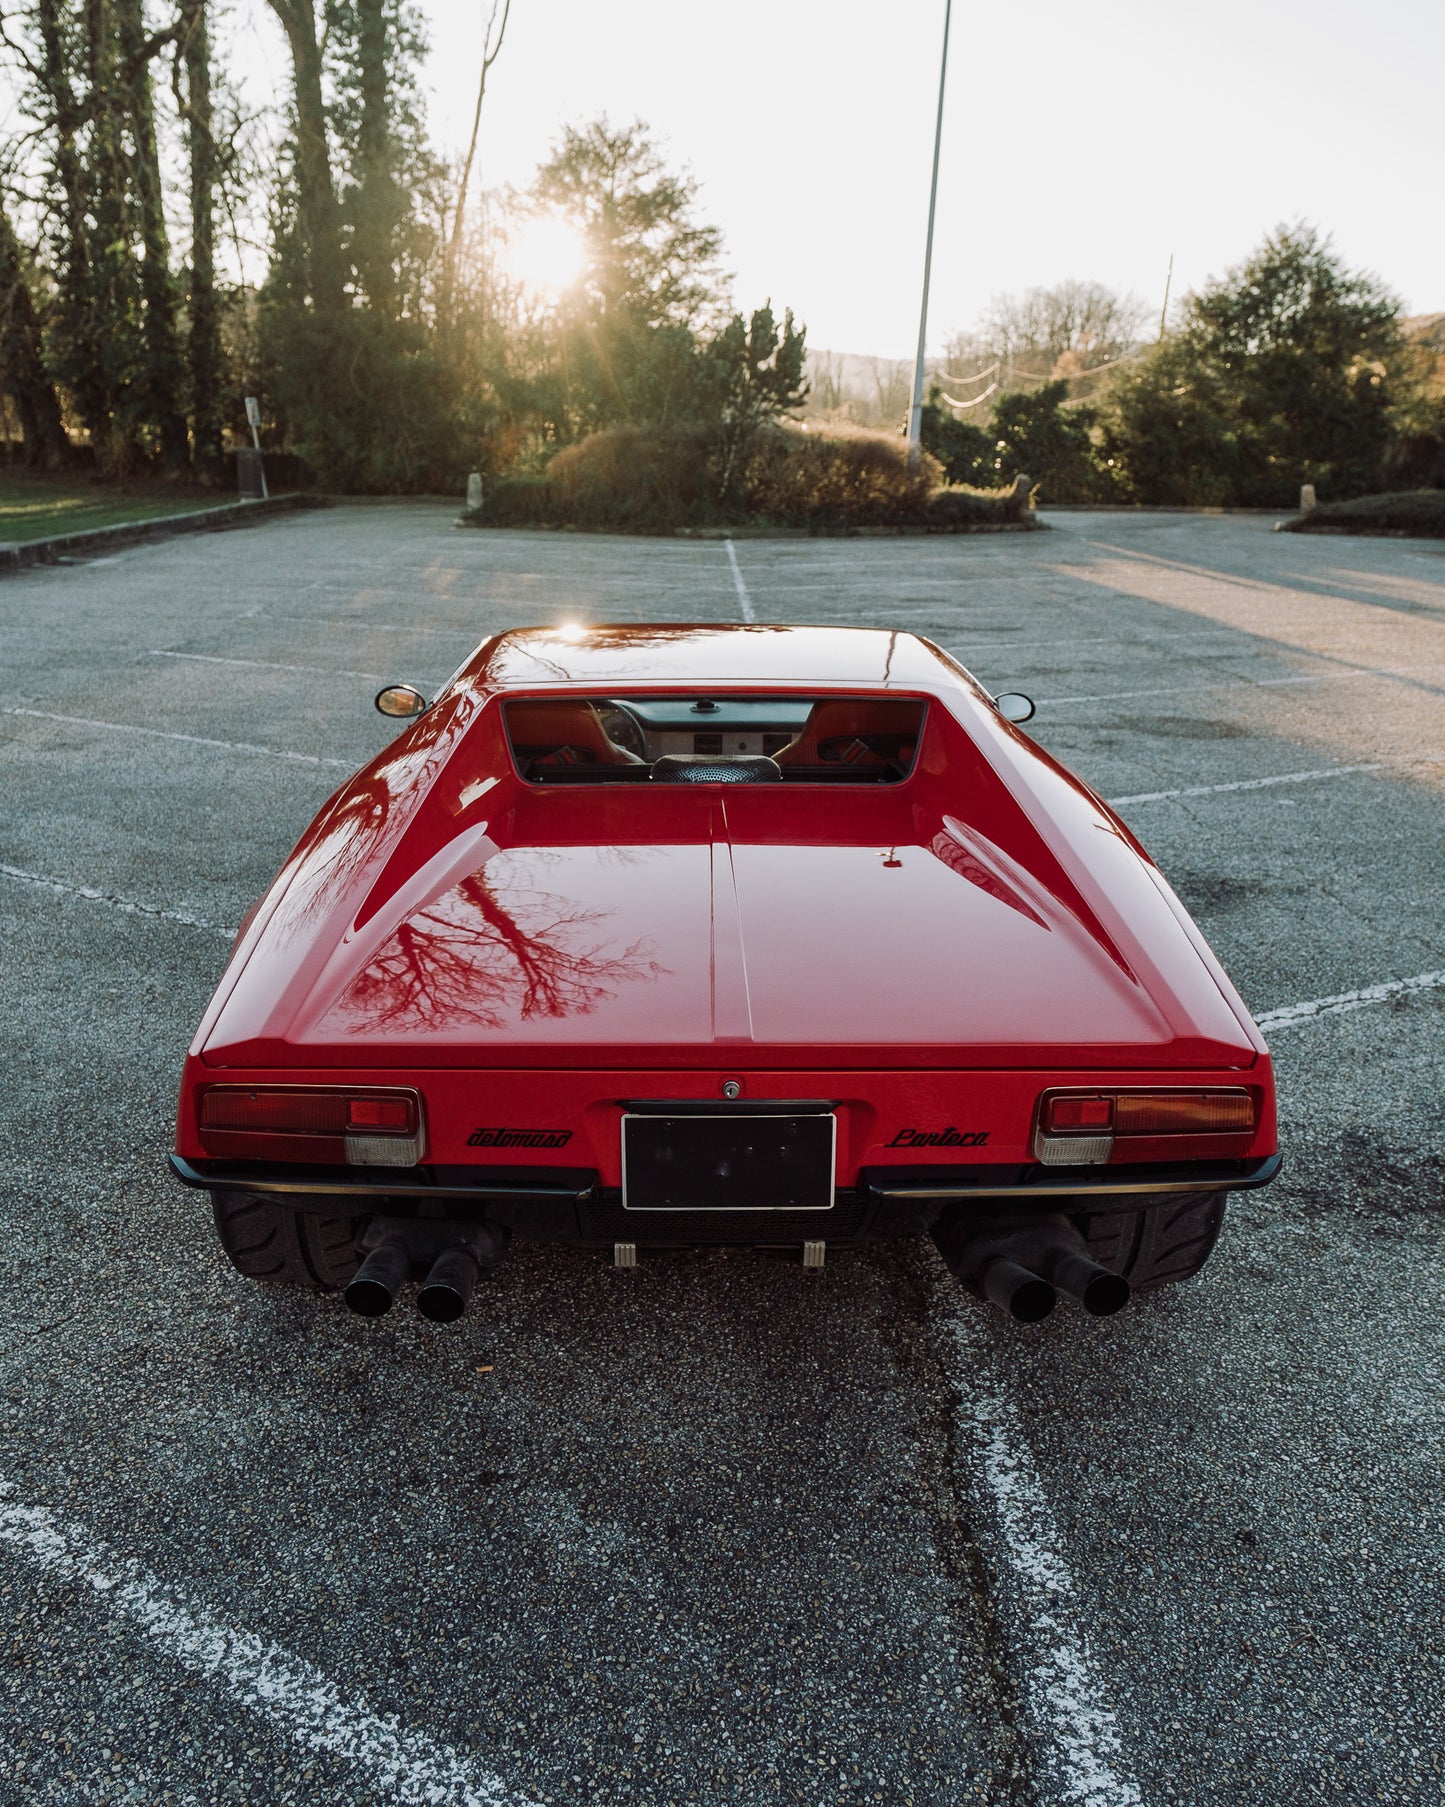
(38, 508)
(1418, 513)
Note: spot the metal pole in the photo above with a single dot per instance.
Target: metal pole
(915, 413)
(1164, 311)
(256, 441)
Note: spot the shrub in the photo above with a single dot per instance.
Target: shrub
(519, 502)
(1418, 512)
(853, 479)
(634, 482)
(627, 481)
(961, 506)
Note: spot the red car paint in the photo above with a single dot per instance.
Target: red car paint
(931, 955)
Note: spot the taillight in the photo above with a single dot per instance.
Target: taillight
(1086, 1129)
(361, 1127)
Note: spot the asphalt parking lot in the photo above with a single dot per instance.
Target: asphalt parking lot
(722, 1531)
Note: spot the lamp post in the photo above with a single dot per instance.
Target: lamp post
(915, 412)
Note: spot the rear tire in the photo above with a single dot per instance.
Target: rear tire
(1155, 1247)
(269, 1241)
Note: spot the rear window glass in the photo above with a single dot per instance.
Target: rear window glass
(714, 740)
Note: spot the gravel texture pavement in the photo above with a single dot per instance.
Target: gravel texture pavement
(719, 1530)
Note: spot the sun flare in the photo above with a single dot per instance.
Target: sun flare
(547, 254)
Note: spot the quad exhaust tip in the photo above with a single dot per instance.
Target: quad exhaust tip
(449, 1258)
(1023, 1267)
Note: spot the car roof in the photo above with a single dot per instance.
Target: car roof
(712, 653)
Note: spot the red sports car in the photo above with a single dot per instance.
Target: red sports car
(640, 937)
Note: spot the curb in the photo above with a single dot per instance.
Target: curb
(766, 533)
(19, 557)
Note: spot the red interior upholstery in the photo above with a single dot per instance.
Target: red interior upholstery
(854, 719)
(543, 726)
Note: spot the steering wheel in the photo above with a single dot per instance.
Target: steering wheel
(622, 728)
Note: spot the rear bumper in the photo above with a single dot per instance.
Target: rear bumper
(568, 1204)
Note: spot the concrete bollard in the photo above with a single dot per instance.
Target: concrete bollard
(1306, 497)
(474, 493)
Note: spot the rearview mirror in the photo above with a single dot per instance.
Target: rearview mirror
(401, 700)
(1012, 705)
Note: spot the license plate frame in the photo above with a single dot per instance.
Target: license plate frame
(735, 1162)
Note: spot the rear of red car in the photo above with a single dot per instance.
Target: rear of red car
(791, 964)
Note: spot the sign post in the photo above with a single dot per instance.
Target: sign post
(253, 420)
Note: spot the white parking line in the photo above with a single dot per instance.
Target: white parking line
(129, 906)
(195, 740)
(745, 602)
(1073, 1729)
(354, 621)
(1245, 784)
(1123, 696)
(292, 1694)
(330, 671)
(1289, 1015)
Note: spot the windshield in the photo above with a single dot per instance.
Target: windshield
(714, 739)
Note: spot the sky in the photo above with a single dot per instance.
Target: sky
(1078, 141)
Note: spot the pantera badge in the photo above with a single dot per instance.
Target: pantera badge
(940, 1138)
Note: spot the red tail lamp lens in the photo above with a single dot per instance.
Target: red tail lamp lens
(1079, 1116)
(378, 1116)
(310, 1113)
(311, 1123)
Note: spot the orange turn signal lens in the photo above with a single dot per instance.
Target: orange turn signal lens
(1183, 1113)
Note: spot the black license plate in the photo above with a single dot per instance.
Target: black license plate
(728, 1163)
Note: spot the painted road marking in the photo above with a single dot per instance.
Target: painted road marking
(1122, 696)
(129, 905)
(195, 740)
(354, 621)
(745, 602)
(1288, 1015)
(330, 671)
(274, 1683)
(1245, 784)
(1074, 1734)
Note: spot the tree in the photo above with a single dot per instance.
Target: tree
(1290, 369)
(620, 347)
(646, 254)
(1063, 333)
(25, 375)
(318, 222)
(751, 373)
(493, 35)
(161, 375)
(1039, 436)
(968, 453)
(203, 350)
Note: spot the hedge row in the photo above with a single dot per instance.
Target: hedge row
(628, 481)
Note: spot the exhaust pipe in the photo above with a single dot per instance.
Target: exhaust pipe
(1021, 1294)
(1099, 1290)
(447, 1289)
(380, 1278)
(451, 1256)
(1022, 1267)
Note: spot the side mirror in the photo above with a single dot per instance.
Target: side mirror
(1012, 705)
(402, 701)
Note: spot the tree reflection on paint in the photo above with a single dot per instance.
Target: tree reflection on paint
(471, 958)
